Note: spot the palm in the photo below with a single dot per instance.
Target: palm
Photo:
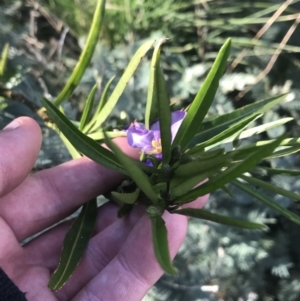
(118, 264)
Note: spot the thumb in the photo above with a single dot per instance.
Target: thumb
(20, 143)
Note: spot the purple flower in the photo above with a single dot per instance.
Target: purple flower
(149, 140)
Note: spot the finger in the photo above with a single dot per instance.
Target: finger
(20, 143)
(50, 195)
(9, 246)
(134, 270)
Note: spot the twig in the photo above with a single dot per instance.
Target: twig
(62, 41)
(56, 23)
(200, 33)
(273, 18)
(272, 60)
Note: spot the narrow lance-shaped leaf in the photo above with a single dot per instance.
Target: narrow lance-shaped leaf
(90, 126)
(228, 191)
(82, 143)
(262, 128)
(232, 132)
(211, 154)
(242, 152)
(3, 60)
(160, 243)
(75, 243)
(271, 187)
(164, 112)
(127, 198)
(221, 219)
(86, 54)
(181, 185)
(133, 170)
(267, 201)
(284, 151)
(100, 136)
(230, 173)
(203, 99)
(239, 153)
(262, 170)
(214, 126)
(151, 112)
(230, 118)
(124, 210)
(104, 97)
(87, 108)
(120, 87)
(72, 150)
(198, 166)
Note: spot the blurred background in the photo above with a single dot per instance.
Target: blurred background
(44, 40)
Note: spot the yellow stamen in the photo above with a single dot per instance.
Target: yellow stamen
(157, 149)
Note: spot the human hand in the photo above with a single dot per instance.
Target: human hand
(119, 263)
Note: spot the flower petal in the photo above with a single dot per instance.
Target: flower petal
(138, 136)
(149, 141)
(155, 126)
(177, 118)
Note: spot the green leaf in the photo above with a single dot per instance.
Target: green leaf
(244, 134)
(199, 166)
(221, 219)
(82, 143)
(121, 85)
(87, 109)
(211, 154)
(267, 201)
(227, 190)
(75, 243)
(104, 97)
(72, 150)
(151, 104)
(271, 187)
(128, 198)
(233, 132)
(284, 151)
(203, 100)
(124, 210)
(181, 185)
(86, 54)
(240, 153)
(275, 171)
(100, 136)
(134, 171)
(226, 120)
(160, 244)
(230, 173)
(90, 126)
(158, 103)
(4, 56)
(164, 113)
(261, 128)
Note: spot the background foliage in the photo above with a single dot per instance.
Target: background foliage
(45, 37)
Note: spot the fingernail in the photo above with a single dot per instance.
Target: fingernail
(13, 125)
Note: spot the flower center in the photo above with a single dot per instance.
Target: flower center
(156, 147)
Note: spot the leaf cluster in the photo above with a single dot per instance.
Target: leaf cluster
(204, 150)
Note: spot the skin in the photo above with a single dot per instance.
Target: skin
(119, 263)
